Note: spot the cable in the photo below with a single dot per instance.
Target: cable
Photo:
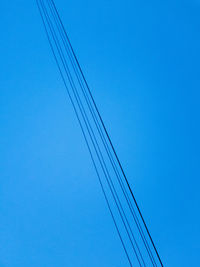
(111, 162)
(98, 123)
(76, 113)
(106, 173)
(127, 182)
(103, 139)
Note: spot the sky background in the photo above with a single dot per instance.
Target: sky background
(141, 59)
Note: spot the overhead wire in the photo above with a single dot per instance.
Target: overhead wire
(85, 138)
(108, 136)
(97, 150)
(107, 152)
(126, 229)
(61, 31)
(99, 123)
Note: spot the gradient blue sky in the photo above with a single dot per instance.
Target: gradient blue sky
(141, 59)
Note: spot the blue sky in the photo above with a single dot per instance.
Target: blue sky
(141, 59)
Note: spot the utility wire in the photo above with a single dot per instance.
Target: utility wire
(91, 134)
(82, 129)
(63, 37)
(103, 140)
(108, 136)
(90, 102)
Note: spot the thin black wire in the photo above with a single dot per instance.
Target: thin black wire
(105, 144)
(71, 85)
(56, 19)
(109, 139)
(106, 173)
(83, 133)
(121, 214)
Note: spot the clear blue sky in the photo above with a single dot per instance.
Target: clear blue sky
(141, 59)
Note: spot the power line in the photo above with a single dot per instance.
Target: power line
(108, 136)
(100, 129)
(87, 143)
(61, 31)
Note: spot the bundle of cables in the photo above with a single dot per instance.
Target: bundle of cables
(130, 225)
